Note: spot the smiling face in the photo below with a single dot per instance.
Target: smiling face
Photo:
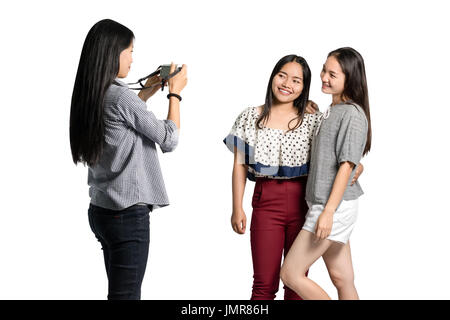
(126, 59)
(333, 78)
(287, 84)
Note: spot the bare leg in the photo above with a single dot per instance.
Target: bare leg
(303, 253)
(338, 260)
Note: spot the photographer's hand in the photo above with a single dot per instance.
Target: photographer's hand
(176, 85)
(179, 81)
(147, 93)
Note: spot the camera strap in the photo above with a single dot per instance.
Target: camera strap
(154, 73)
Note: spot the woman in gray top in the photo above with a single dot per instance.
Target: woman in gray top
(342, 138)
(112, 132)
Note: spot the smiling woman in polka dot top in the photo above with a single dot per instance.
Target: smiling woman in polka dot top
(271, 146)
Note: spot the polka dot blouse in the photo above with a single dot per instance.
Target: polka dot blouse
(272, 153)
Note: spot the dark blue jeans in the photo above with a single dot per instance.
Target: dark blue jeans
(125, 238)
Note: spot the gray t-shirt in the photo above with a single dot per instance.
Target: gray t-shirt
(341, 137)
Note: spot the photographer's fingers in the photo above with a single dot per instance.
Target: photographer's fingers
(183, 70)
(153, 80)
(181, 78)
(178, 81)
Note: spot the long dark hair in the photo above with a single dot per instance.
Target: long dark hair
(355, 87)
(97, 69)
(300, 102)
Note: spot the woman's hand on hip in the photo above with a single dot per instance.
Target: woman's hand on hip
(179, 81)
(238, 221)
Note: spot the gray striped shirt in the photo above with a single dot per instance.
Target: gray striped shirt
(341, 137)
(128, 171)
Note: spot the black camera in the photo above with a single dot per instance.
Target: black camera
(165, 71)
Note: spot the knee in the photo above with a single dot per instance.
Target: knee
(290, 277)
(342, 280)
(284, 274)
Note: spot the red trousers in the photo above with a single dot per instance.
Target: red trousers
(279, 210)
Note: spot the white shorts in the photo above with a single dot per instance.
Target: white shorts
(343, 220)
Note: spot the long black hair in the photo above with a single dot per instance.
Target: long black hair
(300, 102)
(97, 69)
(355, 87)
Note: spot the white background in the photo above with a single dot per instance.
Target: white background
(400, 243)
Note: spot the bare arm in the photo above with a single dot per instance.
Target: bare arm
(325, 221)
(176, 84)
(339, 185)
(174, 111)
(238, 218)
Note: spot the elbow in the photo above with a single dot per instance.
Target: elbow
(171, 143)
(169, 148)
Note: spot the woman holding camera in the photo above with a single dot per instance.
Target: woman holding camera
(112, 132)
